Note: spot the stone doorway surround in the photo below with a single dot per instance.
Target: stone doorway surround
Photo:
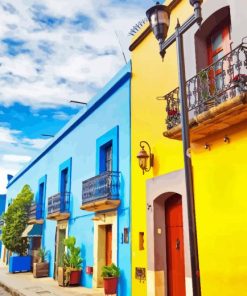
(61, 225)
(100, 221)
(158, 189)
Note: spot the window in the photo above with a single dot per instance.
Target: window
(218, 46)
(107, 152)
(41, 193)
(65, 171)
(40, 205)
(108, 158)
(218, 43)
(64, 181)
(213, 34)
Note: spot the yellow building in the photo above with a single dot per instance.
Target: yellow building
(218, 116)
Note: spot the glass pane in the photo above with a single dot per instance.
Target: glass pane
(108, 155)
(218, 82)
(218, 56)
(217, 41)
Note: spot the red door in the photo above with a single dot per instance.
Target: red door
(175, 246)
(108, 245)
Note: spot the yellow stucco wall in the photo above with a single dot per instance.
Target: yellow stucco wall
(220, 191)
(219, 175)
(150, 78)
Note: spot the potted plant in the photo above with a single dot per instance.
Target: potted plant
(71, 264)
(41, 268)
(15, 222)
(110, 275)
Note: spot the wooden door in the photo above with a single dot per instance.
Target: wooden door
(108, 244)
(175, 247)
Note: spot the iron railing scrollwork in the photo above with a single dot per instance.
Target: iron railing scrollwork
(220, 81)
(105, 185)
(59, 203)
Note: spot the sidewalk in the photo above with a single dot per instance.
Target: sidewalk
(24, 284)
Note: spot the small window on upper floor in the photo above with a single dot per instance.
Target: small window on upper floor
(106, 157)
(64, 181)
(41, 193)
(212, 40)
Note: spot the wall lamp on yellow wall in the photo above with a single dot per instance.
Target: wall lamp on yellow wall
(146, 159)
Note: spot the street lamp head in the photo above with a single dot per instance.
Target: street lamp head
(197, 9)
(159, 19)
(193, 2)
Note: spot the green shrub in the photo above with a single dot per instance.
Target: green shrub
(15, 222)
(110, 271)
(42, 253)
(72, 257)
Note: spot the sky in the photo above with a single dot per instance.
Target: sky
(51, 52)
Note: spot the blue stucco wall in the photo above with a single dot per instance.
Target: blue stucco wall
(108, 110)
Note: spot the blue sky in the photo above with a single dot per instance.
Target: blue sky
(53, 51)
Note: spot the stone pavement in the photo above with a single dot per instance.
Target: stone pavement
(24, 284)
(3, 292)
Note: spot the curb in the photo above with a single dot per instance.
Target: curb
(11, 290)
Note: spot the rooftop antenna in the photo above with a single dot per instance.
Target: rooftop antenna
(78, 102)
(122, 51)
(47, 135)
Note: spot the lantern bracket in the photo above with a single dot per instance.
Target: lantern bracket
(143, 155)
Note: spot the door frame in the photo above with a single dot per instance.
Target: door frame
(100, 221)
(173, 214)
(157, 191)
(60, 225)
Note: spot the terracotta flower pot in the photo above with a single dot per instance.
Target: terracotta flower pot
(110, 285)
(75, 277)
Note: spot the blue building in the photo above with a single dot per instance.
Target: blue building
(2, 209)
(81, 182)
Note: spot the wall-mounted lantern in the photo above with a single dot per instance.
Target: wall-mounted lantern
(146, 159)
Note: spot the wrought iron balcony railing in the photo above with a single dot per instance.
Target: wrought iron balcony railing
(35, 211)
(220, 81)
(105, 185)
(59, 203)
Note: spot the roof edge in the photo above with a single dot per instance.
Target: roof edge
(147, 30)
(119, 79)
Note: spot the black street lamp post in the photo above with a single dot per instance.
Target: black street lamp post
(159, 18)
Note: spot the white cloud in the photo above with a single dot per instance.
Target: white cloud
(36, 143)
(84, 60)
(16, 158)
(16, 152)
(61, 116)
(8, 136)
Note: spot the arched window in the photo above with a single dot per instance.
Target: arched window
(213, 40)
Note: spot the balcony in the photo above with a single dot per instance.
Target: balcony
(36, 214)
(101, 192)
(216, 96)
(58, 206)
